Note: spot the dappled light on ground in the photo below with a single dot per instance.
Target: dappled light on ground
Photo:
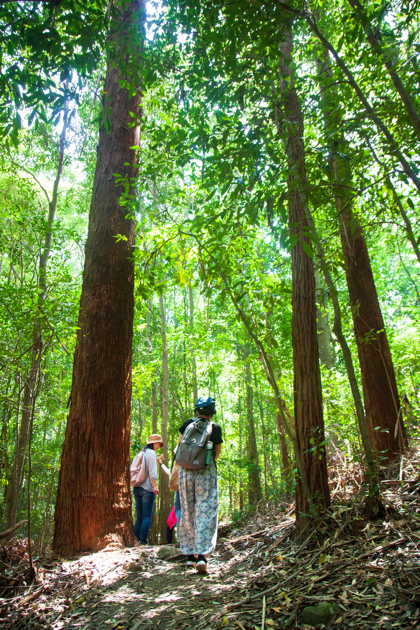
(358, 573)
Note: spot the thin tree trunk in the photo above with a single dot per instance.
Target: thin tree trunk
(392, 142)
(7, 412)
(94, 505)
(263, 434)
(389, 184)
(283, 411)
(326, 350)
(284, 451)
(347, 357)
(155, 407)
(312, 493)
(408, 227)
(241, 455)
(191, 326)
(184, 400)
(17, 410)
(31, 387)
(141, 421)
(375, 39)
(230, 486)
(382, 404)
(164, 494)
(46, 522)
(254, 481)
(283, 417)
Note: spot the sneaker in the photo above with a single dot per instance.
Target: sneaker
(201, 565)
(190, 562)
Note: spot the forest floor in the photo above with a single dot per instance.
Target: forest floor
(352, 573)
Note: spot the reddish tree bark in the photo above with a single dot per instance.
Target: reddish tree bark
(382, 402)
(382, 405)
(312, 493)
(93, 504)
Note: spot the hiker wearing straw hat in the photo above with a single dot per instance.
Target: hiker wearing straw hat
(147, 489)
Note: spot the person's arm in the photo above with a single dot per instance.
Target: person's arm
(217, 439)
(165, 469)
(153, 471)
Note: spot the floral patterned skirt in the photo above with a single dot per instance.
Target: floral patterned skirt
(197, 531)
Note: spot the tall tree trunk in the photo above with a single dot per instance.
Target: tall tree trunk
(378, 377)
(387, 54)
(372, 472)
(254, 481)
(31, 387)
(382, 403)
(164, 494)
(312, 493)
(93, 504)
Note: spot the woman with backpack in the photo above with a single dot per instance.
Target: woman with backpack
(199, 447)
(145, 493)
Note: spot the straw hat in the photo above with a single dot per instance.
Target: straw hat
(155, 438)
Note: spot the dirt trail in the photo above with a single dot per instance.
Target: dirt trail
(133, 589)
(263, 576)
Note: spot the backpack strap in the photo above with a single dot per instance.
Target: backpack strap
(189, 428)
(142, 461)
(209, 429)
(146, 463)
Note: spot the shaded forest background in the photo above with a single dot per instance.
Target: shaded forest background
(267, 172)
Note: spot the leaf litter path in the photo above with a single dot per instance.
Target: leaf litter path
(262, 577)
(156, 593)
(136, 588)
